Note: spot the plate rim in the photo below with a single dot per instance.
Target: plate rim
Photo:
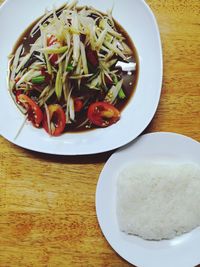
(98, 203)
(119, 143)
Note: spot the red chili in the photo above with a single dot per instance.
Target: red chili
(78, 104)
(51, 41)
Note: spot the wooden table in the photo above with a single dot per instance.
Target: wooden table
(47, 203)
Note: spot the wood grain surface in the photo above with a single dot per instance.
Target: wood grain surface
(47, 203)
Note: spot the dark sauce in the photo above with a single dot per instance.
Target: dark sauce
(129, 80)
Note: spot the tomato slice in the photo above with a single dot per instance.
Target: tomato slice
(34, 112)
(57, 120)
(17, 93)
(103, 114)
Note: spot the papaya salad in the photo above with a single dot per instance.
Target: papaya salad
(74, 69)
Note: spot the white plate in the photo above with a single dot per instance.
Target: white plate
(138, 20)
(182, 251)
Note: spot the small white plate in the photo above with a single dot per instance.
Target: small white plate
(181, 251)
(138, 20)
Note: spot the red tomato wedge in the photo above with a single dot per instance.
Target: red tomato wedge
(54, 122)
(34, 112)
(103, 114)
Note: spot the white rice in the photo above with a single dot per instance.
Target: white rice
(158, 200)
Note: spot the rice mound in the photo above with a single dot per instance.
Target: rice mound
(158, 200)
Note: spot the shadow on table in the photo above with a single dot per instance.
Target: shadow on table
(78, 159)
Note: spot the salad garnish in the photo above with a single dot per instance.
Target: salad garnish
(68, 71)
